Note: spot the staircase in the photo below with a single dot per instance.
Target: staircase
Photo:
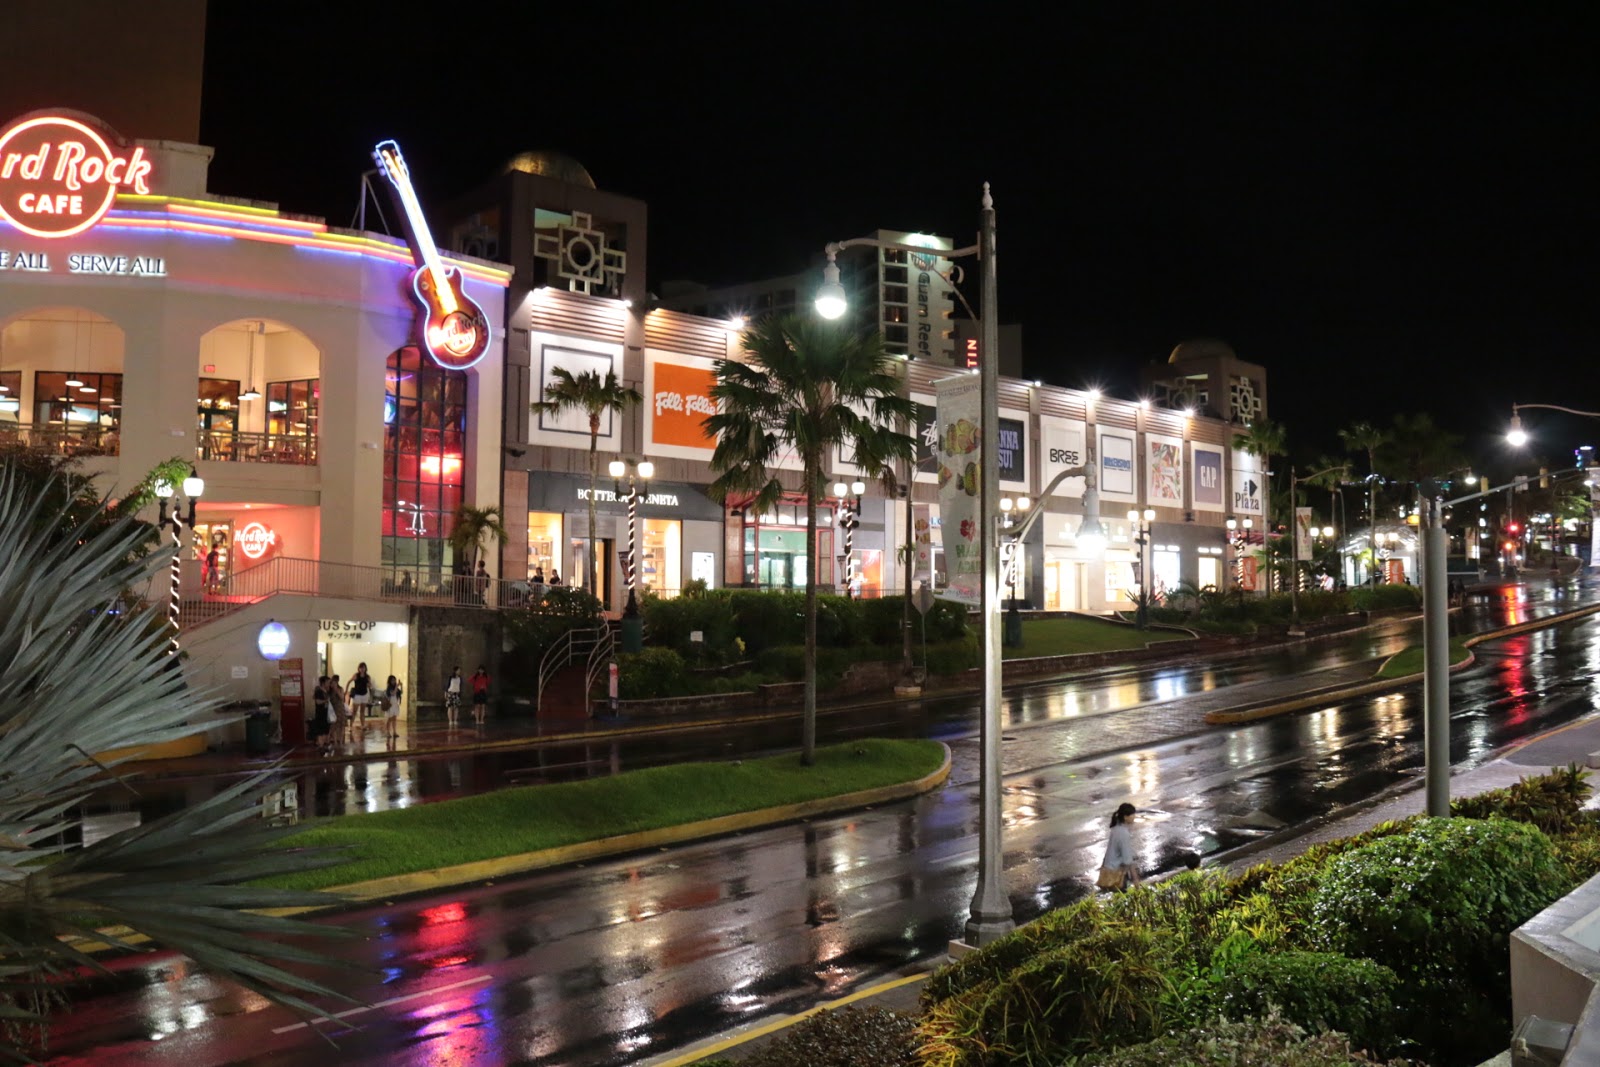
(571, 667)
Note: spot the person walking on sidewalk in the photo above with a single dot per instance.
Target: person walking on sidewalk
(336, 706)
(480, 695)
(360, 698)
(392, 692)
(1120, 868)
(320, 726)
(452, 697)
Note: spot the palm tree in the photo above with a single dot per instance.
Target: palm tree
(1365, 437)
(594, 396)
(1331, 475)
(187, 880)
(472, 526)
(1265, 438)
(808, 387)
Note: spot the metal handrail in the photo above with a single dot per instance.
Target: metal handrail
(599, 659)
(249, 446)
(555, 657)
(84, 440)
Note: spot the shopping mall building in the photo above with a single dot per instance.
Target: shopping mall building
(144, 318)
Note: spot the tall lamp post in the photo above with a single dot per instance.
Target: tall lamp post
(1140, 522)
(991, 915)
(635, 471)
(193, 487)
(849, 494)
(1238, 538)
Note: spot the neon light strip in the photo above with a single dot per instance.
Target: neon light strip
(152, 198)
(256, 229)
(214, 213)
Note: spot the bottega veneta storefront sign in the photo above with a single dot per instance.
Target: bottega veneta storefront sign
(663, 500)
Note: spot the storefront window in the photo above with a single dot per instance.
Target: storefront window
(661, 557)
(10, 396)
(82, 418)
(424, 458)
(544, 539)
(1120, 584)
(292, 407)
(1167, 569)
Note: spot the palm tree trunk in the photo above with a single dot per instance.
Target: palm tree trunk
(808, 722)
(1372, 510)
(589, 576)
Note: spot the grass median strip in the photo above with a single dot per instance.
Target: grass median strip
(509, 822)
(1064, 636)
(1409, 661)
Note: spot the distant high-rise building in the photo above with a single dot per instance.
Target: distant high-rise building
(1209, 377)
(908, 297)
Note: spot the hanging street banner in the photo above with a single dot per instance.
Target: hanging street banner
(1302, 533)
(959, 456)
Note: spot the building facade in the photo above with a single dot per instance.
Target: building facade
(144, 319)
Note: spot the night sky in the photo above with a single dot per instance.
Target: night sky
(1391, 207)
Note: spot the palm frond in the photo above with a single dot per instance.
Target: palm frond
(79, 674)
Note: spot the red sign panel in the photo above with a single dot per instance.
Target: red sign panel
(59, 176)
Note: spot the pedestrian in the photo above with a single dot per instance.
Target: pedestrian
(452, 697)
(337, 710)
(480, 582)
(555, 577)
(320, 726)
(1120, 868)
(213, 581)
(538, 576)
(480, 695)
(393, 691)
(360, 698)
(407, 584)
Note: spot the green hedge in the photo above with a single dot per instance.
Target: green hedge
(1412, 915)
(1265, 1042)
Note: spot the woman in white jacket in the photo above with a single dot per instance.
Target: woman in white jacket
(1120, 868)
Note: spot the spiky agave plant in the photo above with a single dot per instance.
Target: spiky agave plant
(77, 677)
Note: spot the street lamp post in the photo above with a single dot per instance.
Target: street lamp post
(1010, 551)
(849, 494)
(991, 915)
(635, 471)
(1140, 521)
(1238, 538)
(193, 487)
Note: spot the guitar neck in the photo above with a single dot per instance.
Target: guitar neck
(394, 168)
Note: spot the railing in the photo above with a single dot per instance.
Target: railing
(67, 440)
(310, 577)
(239, 446)
(568, 648)
(599, 660)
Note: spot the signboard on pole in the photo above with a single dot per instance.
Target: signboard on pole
(292, 700)
(1302, 533)
(959, 455)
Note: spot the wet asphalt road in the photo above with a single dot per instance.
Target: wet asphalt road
(620, 961)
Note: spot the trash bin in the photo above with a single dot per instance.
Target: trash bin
(258, 732)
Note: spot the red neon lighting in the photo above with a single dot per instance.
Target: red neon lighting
(972, 352)
(255, 540)
(437, 464)
(58, 176)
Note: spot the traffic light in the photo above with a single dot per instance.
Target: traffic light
(1513, 528)
(1544, 477)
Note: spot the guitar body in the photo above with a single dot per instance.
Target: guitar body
(451, 326)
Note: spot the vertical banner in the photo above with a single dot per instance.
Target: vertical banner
(959, 460)
(1207, 479)
(292, 700)
(1302, 533)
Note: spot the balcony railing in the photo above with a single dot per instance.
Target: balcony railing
(309, 577)
(240, 446)
(67, 439)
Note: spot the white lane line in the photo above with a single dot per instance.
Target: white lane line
(384, 1004)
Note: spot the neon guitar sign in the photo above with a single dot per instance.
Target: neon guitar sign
(453, 329)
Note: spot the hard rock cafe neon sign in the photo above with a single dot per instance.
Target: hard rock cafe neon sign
(59, 175)
(255, 540)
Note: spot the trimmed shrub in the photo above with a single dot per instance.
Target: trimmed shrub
(850, 1037)
(764, 618)
(1319, 991)
(1437, 905)
(651, 673)
(1100, 991)
(668, 624)
(948, 657)
(1003, 955)
(1272, 1040)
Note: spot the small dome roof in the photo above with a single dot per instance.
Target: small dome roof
(562, 168)
(1203, 348)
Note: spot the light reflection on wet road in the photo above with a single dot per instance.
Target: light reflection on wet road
(621, 960)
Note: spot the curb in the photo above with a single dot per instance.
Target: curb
(402, 885)
(438, 878)
(1218, 718)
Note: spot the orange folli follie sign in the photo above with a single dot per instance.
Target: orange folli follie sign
(680, 404)
(60, 173)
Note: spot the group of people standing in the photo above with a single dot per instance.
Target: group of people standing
(340, 709)
(480, 696)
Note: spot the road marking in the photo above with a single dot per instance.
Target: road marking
(384, 1004)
